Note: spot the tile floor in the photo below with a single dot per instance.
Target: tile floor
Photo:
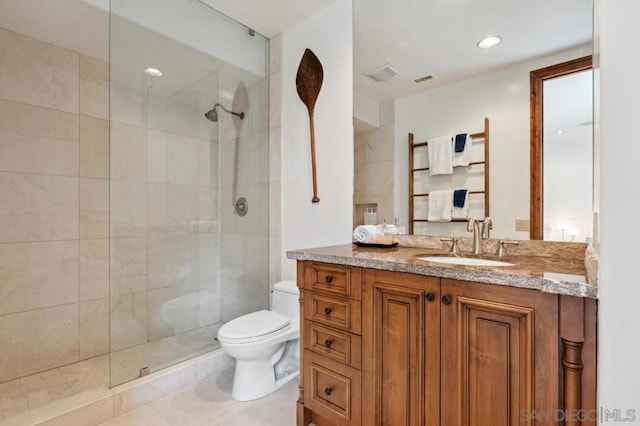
(30, 392)
(209, 403)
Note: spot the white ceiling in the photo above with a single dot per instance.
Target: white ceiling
(439, 38)
(269, 17)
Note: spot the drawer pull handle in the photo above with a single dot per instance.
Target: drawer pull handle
(430, 297)
(446, 300)
(327, 310)
(327, 343)
(328, 279)
(327, 391)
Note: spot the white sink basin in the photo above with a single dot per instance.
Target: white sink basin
(467, 261)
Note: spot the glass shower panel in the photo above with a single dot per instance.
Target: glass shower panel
(182, 261)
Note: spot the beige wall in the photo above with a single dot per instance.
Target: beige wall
(373, 171)
(54, 208)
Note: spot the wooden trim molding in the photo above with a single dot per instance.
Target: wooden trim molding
(537, 78)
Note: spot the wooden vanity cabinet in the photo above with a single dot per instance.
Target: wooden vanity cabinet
(446, 352)
(330, 376)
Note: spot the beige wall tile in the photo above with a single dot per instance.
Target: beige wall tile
(128, 320)
(128, 152)
(209, 256)
(275, 153)
(94, 87)
(128, 265)
(94, 208)
(94, 147)
(128, 101)
(94, 269)
(38, 340)
(94, 328)
(157, 156)
(182, 206)
(183, 113)
(172, 310)
(38, 140)
(173, 259)
(38, 73)
(38, 207)
(158, 222)
(128, 208)
(208, 207)
(209, 302)
(38, 275)
(208, 164)
(182, 160)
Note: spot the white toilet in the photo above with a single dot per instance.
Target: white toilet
(265, 345)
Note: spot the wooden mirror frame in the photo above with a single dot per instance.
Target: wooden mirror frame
(537, 78)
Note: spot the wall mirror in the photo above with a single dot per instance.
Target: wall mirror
(418, 69)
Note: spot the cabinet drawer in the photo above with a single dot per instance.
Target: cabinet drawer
(334, 279)
(332, 343)
(333, 311)
(332, 389)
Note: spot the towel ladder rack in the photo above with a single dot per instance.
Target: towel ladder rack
(412, 170)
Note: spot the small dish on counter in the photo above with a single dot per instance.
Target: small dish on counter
(375, 245)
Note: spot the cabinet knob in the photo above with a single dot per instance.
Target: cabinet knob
(327, 343)
(446, 300)
(327, 391)
(328, 279)
(327, 310)
(430, 297)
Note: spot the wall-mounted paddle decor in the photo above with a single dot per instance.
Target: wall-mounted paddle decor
(308, 84)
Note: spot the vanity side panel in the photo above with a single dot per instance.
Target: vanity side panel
(303, 414)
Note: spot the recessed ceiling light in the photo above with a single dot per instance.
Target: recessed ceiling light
(154, 72)
(489, 42)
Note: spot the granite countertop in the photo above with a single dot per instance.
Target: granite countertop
(550, 274)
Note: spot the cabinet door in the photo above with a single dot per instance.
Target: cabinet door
(499, 355)
(400, 349)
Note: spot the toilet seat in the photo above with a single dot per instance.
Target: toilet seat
(255, 326)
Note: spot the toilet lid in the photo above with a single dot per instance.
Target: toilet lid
(254, 324)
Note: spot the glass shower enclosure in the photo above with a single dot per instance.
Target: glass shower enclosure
(188, 180)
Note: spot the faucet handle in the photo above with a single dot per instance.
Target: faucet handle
(454, 244)
(470, 224)
(487, 225)
(502, 249)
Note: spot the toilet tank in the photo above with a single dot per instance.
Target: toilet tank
(284, 299)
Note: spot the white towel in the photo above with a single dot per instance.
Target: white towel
(461, 212)
(463, 158)
(440, 156)
(440, 206)
(365, 234)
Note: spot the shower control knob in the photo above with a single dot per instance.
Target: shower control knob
(327, 391)
(327, 343)
(328, 279)
(327, 310)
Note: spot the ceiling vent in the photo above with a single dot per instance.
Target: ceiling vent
(425, 78)
(381, 73)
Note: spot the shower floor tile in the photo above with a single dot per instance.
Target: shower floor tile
(30, 392)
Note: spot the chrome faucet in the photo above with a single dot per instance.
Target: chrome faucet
(474, 226)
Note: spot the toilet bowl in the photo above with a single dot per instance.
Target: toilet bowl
(265, 345)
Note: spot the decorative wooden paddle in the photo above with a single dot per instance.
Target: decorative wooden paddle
(309, 83)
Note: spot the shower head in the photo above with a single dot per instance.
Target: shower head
(212, 114)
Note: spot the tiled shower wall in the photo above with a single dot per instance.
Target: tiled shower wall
(374, 168)
(54, 206)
